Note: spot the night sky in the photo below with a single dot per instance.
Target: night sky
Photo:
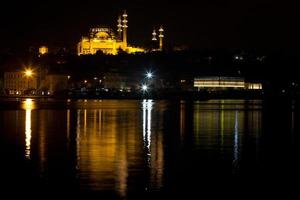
(202, 24)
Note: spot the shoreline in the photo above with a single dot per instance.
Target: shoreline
(175, 96)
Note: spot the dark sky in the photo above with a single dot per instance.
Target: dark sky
(202, 23)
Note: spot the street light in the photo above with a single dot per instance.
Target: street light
(144, 88)
(28, 74)
(149, 75)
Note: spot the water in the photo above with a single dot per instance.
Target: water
(149, 148)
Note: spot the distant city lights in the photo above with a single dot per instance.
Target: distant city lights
(239, 58)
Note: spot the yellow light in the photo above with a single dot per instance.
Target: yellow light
(43, 50)
(219, 84)
(28, 72)
(28, 104)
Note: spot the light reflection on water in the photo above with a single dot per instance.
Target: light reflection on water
(102, 148)
(28, 105)
(110, 146)
(147, 108)
(128, 145)
(220, 125)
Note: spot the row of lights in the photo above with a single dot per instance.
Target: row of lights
(149, 75)
(95, 78)
(144, 86)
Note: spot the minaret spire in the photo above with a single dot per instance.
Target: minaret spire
(119, 27)
(125, 26)
(154, 35)
(161, 36)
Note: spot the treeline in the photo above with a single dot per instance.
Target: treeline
(275, 67)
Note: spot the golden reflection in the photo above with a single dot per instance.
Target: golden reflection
(95, 121)
(157, 161)
(78, 130)
(84, 120)
(182, 118)
(110, 146)
(221, 124)
(100, 122)
(27, 133)
(102, 151)
(28, 105)
(68, 124)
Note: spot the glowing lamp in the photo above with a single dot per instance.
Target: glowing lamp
(28, 72)
(144, 88)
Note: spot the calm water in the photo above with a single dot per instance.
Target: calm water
(147, 148)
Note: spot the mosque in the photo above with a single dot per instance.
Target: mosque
(105, 40)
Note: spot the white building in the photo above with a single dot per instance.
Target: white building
(221, 83)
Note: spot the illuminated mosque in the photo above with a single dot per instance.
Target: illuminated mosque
(105, 40)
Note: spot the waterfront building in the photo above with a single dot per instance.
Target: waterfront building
(17, 82)
(254, 86)
(221, 83)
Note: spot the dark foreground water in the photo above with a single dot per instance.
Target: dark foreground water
(148, 148)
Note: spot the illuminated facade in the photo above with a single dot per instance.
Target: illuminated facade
(225, 83)
(254, 86)
(15, 83)
(104, 39)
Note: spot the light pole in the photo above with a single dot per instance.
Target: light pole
(149, 78)
(28, 74)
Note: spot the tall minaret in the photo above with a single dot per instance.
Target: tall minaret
(125, 26)
(161, 36)
(154, 35)
(119, 27)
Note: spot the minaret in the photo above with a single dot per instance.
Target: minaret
(161, 36)
(154, 35)
(125, 26)
(119, 27)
